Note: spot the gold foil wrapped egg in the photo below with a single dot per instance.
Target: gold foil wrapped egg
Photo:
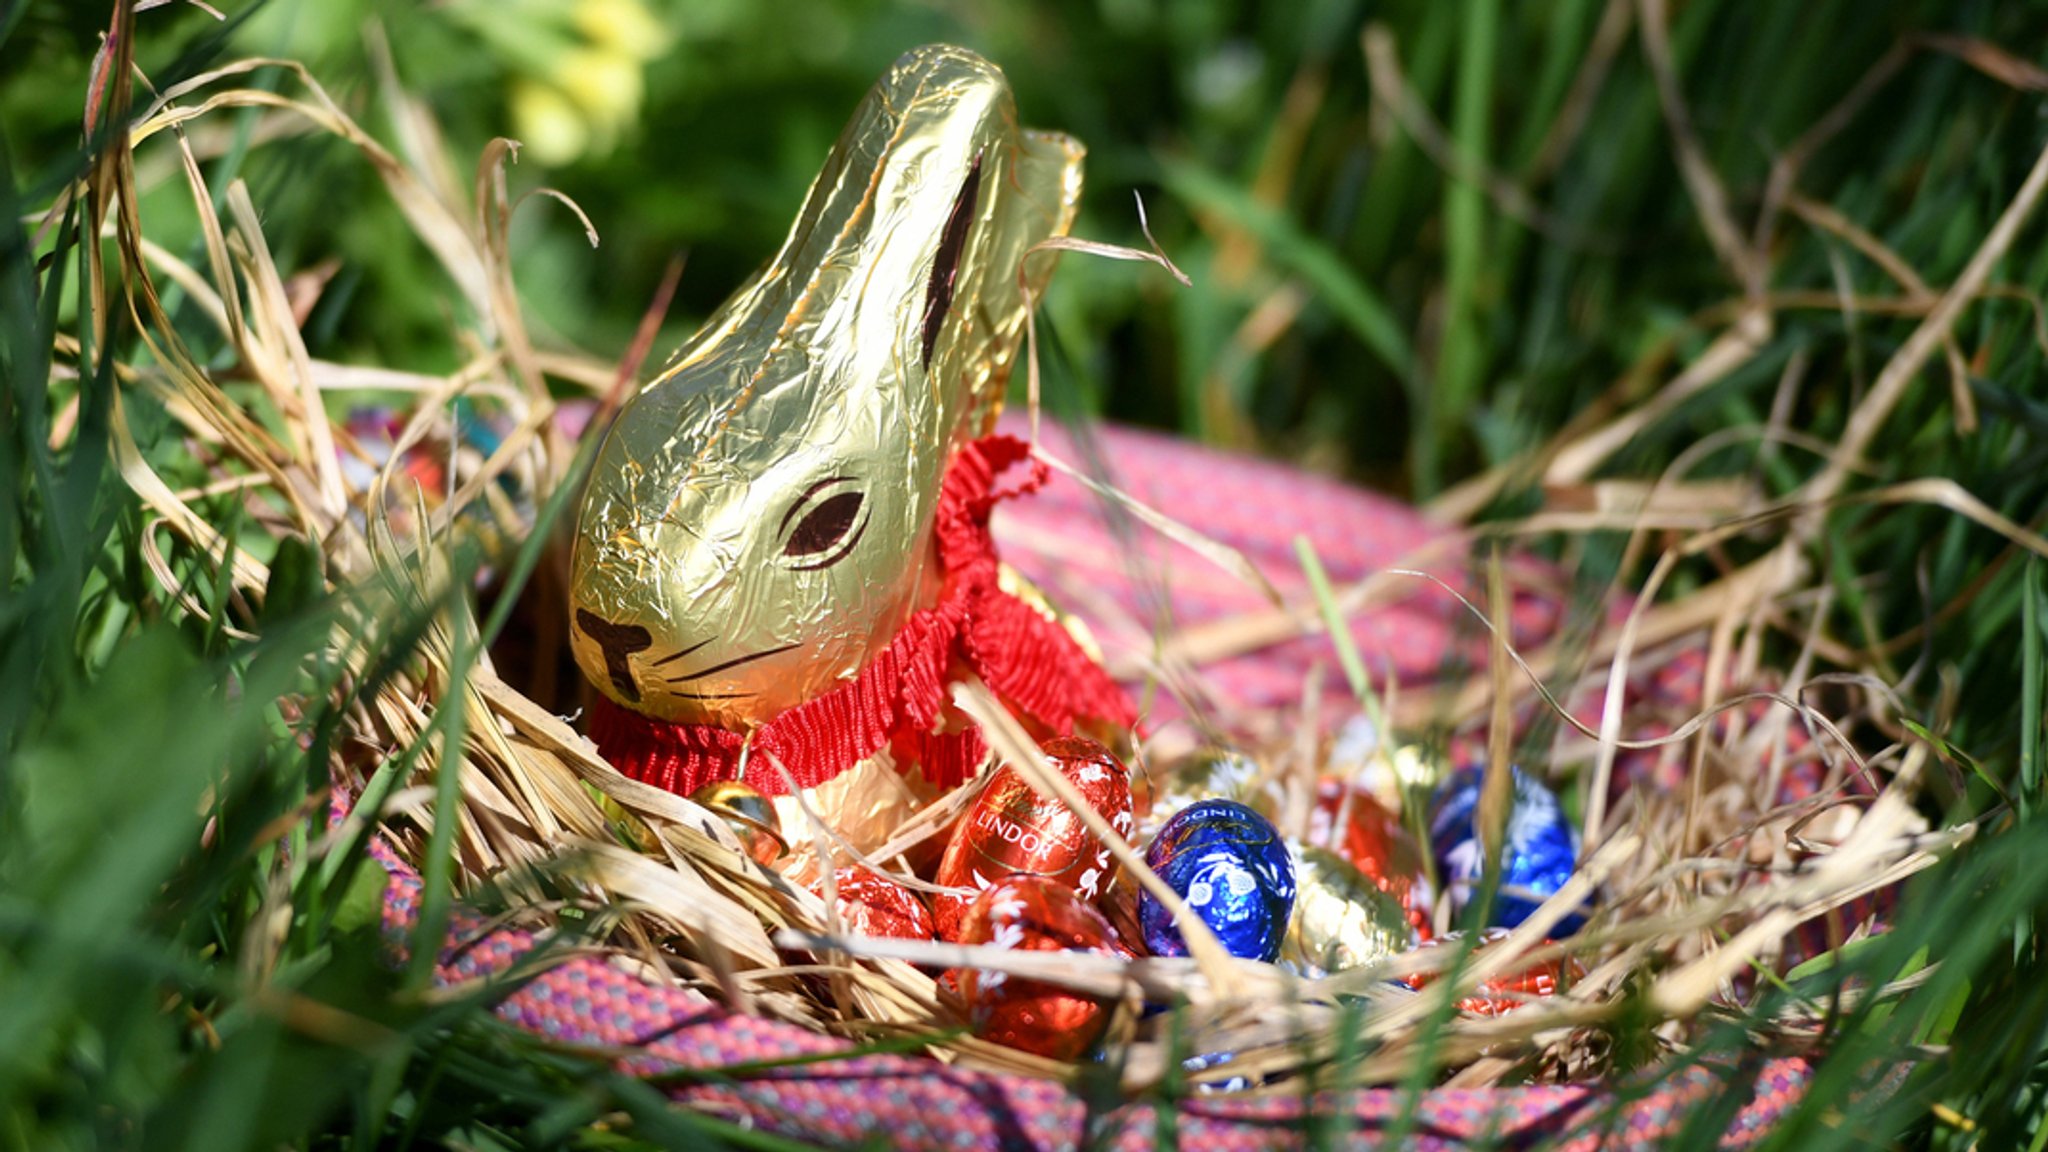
(750, 816)
(1341, 918)
(1208, 774)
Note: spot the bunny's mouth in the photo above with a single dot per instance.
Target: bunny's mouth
(619, 641)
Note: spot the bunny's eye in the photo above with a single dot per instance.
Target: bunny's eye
(827, 522)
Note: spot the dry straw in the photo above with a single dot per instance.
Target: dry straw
(1696, 889)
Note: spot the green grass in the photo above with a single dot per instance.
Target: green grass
(1443, 329)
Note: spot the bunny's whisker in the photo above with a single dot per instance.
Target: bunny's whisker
(732, 663)
(678, 655)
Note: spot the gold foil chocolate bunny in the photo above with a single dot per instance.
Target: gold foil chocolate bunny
(783, 544)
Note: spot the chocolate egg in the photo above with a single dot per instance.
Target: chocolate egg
(1013, 830)
(1342, 918)
(1507, 992)
(1537, 855)
(1230, 865)
(871, 904)
(1210, 773)
(750, 816)
(1033, 914)
(1349, 822)
(1119, 905)
(1202, 1062)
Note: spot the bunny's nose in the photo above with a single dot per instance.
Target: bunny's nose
(618, 641)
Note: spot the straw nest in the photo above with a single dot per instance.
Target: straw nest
(1698, 888)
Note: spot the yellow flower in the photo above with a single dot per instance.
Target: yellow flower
(577, 79)
(547, 122)
(606, 86)
(623, 26)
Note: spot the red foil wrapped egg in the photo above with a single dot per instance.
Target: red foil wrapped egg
(1033, 914)
(870, 904)
(1509, 990)
(1119, 905)
(1012, 830)
(1357, 827)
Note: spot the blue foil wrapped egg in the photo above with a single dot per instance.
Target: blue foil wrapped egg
(1231, 866)
(1541, 848)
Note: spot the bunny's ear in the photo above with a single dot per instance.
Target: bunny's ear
(1049, 177)
(945, 273)
(921, 153)
(1044, 175)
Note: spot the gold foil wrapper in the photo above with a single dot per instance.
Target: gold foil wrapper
(1341, 918)
(1209, 774)
(751, 817)
(1416, 771)
(1393, 775)
(757, 523)
(867, 804)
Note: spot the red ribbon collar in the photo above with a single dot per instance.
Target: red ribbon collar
(897, 699)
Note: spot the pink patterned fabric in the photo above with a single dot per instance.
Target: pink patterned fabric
(1126, 580)
(1063, 541)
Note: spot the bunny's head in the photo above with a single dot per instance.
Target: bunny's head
(757, 524)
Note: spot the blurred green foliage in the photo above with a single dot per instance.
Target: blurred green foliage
(1363, 302)
(1440, 332)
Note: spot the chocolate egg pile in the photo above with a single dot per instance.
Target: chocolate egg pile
(1352, 886)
